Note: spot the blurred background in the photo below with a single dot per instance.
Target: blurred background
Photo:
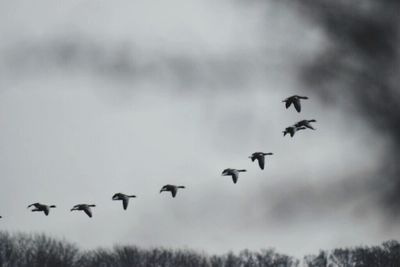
(100, 97)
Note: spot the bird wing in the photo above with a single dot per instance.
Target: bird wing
(174, 190)
(309, 126)
(261, 162)
(46, 211)
(125, 202)
(88, 211)
(297, 106)
(235, 177)
(288, 103)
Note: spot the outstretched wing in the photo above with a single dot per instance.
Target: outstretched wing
(235, 177)
(309, 126)
(174, 190)
(125, 202)
(261, 162)
(297, 106)
(88, 211)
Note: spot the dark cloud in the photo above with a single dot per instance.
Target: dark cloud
(360, 64)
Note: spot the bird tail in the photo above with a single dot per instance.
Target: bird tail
(132, 196)
(243, 170)
(181, 186)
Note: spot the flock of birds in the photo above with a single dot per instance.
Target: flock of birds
(173, 189)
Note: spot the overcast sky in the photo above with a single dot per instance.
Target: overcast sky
(99, 97)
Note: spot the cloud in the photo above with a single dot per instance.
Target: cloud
(358, 70)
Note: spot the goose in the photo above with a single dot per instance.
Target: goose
(292, 130)
(232, 172)
(305, 123)
(41, 207)
(85, 207)
(260, 157)
(124, 198)
(295, 100)
(171, 188)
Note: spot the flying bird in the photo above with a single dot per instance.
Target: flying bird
(232, 172)
(260, 157)
(41, 207)
(124, 198)
(292, 130)
(171, 188)
(85, 207)
(295, 100)
(305, 123)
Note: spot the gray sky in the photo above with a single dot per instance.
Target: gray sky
(104, 97)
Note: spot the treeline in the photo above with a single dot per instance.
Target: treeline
(24, 250)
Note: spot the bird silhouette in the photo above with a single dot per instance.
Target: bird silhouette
(171, 188)
(85, 207)
(41, 207)
(295, 100)
(124, 198)
(260, 157)
(305, 123)
(232, 172)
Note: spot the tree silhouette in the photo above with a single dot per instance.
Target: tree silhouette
(27, 250)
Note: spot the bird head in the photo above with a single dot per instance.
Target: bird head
(225, 172)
